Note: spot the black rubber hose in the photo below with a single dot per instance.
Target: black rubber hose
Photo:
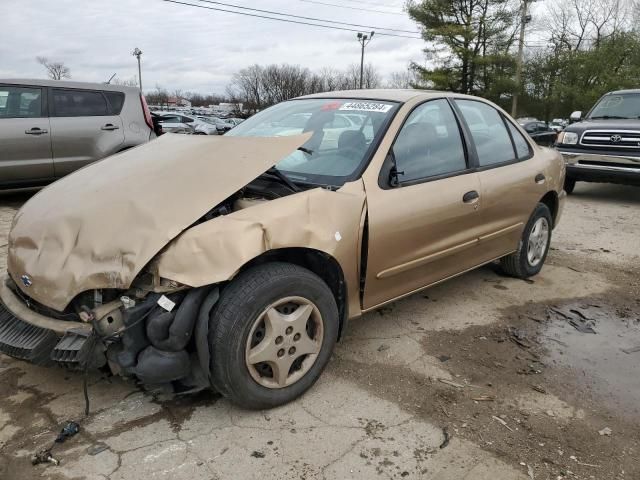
(181, 329)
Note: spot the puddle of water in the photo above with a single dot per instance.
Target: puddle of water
(598, 359)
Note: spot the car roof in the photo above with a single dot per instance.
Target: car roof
(68, 84)
(389, 94)
(620, 92)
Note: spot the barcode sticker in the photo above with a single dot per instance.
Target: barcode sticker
(366, 107)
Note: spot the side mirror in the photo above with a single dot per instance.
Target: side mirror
(576, 116)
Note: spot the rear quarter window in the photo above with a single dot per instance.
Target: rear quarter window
(116, 101)
(79, 103)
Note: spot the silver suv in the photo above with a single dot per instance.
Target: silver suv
(51, 128)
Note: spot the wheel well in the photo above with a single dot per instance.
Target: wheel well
(320, 263)
(551, 200)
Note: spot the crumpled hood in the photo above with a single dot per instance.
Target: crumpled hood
(98, 227)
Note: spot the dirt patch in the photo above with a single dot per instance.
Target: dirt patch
(533, 388)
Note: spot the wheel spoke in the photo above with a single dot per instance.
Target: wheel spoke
(281, 369)
(265, 351)
(298, 319)
(274, 320)
(306, 346)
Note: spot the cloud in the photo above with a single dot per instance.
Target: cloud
(188, 48)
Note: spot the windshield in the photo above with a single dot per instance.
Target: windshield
(343, 131)
(617, 106)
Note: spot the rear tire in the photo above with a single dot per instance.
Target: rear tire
(272, 333)
(532, 251)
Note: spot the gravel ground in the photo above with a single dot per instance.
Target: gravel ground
(481, 378)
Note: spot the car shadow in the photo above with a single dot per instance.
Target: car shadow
(607, 193)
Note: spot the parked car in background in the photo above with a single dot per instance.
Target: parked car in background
(604, 144)
(540, 132)
(221, 125)
(557, 125)
(179, 123)
(51, 128)
(245, 257)
(234, 121)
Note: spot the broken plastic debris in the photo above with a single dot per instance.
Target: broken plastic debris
(97, 448)
(502, 422)
(605, 431)
(44, 456)
(68, 431)
(631, 350)
(449, 382)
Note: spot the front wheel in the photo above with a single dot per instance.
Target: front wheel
(534, 245)
(272, 334)
(569, 185)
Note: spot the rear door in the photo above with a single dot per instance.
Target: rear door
(423, 221)
(84, 128)
(25, 142)
(510, 176)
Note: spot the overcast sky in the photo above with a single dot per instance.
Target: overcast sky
(188, 48)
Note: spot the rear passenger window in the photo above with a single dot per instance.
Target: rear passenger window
(488, 131)
(20, 102)
(429, 143)
(116, 100)
(78, 103)
(522, 147)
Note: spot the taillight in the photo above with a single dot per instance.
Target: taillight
(147, 113)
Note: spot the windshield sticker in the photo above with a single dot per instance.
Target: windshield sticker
(331, 106)
(367, 107)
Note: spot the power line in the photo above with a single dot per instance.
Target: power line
(360, 9)
(313, 19)
(286, 19)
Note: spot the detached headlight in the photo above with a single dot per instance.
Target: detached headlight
(568, 138)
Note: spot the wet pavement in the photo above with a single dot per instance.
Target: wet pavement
(481, 378)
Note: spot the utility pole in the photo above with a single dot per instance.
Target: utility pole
(137, 53)
(525, 18)
(364, 40)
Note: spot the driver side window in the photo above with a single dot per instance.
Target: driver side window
(429, 143)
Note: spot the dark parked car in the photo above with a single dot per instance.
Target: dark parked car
(540, 132)
(604, 146)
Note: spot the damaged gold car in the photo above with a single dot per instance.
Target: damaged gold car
(235, 262)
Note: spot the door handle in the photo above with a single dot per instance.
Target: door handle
(540, 178)
(470, 197)
(109, 127)
(36, 131)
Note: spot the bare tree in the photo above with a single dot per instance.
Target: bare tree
(404, 79)
(131, 82)
(55, 70)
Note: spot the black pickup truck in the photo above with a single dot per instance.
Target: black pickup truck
(604, 145)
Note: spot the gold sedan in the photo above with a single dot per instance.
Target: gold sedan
(235, 261)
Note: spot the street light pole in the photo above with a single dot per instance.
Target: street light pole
(364, 40)
(524, 19)
(137, 53)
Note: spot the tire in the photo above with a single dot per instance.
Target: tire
(521, 264)
(239, 329)
(569, 185)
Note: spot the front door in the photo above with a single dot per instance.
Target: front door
(424, 220)
(25, 142)
(83, 129)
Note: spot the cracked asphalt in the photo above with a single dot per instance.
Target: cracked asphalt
(439, 361)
